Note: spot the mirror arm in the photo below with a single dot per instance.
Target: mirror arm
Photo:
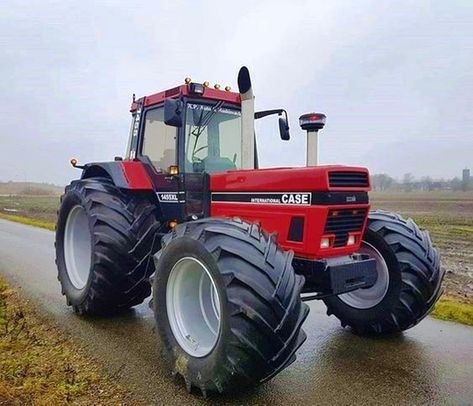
(261, 114)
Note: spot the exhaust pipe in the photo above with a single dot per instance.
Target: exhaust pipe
(247, 119)
(312, 123)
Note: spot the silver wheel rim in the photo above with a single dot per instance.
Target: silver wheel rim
(77, 247)
(193, 307)
(370, 297)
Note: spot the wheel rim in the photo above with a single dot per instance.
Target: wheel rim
(193, 307)
(370, 297)
(77, 247)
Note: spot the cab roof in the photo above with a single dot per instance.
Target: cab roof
(185, 90)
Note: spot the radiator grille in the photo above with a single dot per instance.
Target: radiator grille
(341, 222)
(348, 179)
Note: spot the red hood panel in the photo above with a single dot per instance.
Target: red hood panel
(296, 179)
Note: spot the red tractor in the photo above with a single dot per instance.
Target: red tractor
(229, 251)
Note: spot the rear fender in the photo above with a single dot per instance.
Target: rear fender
(131, 175)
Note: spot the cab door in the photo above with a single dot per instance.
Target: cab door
(158, 151)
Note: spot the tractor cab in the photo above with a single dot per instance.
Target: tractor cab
(188, 129)
(207, 137)
(196, 129)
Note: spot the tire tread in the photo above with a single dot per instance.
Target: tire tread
(272, 310)
(421, 275)
(122, 225)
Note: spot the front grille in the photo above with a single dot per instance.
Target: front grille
(341, 222)
(348, 179)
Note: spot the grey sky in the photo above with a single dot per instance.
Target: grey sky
(394, 78)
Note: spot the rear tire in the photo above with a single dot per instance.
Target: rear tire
(257, 304)
(414, 278)
(104, 241)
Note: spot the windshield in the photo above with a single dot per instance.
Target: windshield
(213, 138)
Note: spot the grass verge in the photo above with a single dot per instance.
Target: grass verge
(448, 308)
(48, 225)
(39, 365)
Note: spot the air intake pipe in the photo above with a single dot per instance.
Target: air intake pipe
(312, 123)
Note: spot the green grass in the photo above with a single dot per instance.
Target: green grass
(48, 225)
(38, 211)
(37, 207)
(454, 310)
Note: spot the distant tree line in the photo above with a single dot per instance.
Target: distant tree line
(29, 188)
(382, 182)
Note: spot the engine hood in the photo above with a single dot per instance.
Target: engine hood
(294, 179)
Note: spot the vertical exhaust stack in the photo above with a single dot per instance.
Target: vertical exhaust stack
(247, 119)
(312, 123)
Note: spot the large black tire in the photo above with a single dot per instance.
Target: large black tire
(261, 311)
(121, 227)
(415, 278)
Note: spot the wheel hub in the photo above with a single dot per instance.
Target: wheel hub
(369, 297)
(193, 307)
(77, 247)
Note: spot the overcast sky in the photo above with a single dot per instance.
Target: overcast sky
(394, 78)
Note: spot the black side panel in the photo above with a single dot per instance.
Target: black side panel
(197, 194)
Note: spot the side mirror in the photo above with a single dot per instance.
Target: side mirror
(173, 112)
(284, 129)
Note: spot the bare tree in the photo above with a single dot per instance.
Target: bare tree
(455, 184)
(382, 182)
(408, 182)
(426, 183)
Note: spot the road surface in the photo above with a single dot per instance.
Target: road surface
(429, 364)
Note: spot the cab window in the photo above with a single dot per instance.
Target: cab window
(159, 140)
(213, 138)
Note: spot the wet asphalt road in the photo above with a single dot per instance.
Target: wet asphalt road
(429, 364)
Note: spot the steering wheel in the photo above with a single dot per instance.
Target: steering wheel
(194, 153)
(200, 149)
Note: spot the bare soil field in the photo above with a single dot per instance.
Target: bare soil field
(447, 215)
(449, 218)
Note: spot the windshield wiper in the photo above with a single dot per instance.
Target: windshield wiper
(204, 120)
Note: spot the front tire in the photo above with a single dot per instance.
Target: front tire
(408, 284)
(227, 304)
(104, 241)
